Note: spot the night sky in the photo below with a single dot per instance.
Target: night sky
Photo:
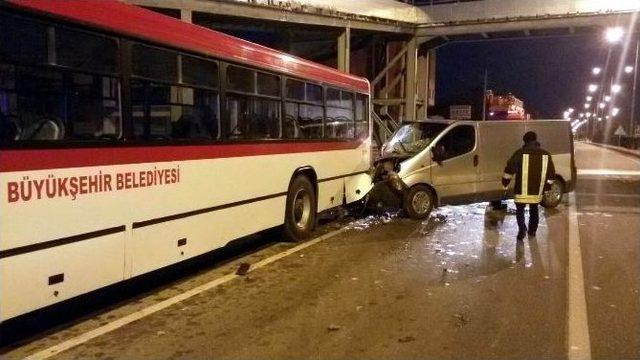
(548, 74)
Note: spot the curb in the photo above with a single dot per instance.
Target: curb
(616, 148)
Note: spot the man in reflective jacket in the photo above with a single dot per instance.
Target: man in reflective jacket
(533, 169)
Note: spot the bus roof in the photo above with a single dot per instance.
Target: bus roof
(137, 22)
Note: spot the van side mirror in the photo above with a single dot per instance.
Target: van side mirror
(438, 155)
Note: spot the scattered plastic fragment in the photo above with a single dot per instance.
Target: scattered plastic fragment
(406, 339)
(354, 278)
(243, 269)
(461, 319)
(160, 333)
(334, 327)
(596, 288)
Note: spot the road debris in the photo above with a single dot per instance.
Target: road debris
(243, 269)
(334, 327)
(460, 319)
(406, 339)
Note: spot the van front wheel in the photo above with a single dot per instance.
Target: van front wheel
(419, 201)
(553, 196)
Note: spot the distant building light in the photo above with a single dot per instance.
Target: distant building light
(615, 111)
(587, 105)
(602, 105)
(596, 70)
(589, 98)
(615, 88)
(607, 98)
(628, 69)
(592, 87)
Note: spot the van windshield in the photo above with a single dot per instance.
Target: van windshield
(411, 138)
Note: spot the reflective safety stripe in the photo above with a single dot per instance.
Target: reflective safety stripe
(527, 199)
(545, 163)
(524, 186)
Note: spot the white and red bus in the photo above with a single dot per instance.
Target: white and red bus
(131, 141)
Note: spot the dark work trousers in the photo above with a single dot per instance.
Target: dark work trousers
(533, 217)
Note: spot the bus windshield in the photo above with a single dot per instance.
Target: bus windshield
(411, 138)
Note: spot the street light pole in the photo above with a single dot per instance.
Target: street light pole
(632, 118)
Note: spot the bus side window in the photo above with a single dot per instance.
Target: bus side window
(362, 116)
(340, 115)
(79, 100)
(168, 106)
(253, 104)
(304, 111)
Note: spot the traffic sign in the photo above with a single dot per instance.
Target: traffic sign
(620, 131)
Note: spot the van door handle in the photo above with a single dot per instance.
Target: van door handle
(475, 160)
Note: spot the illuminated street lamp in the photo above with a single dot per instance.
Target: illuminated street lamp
(588, 115)
(592, 87)
(628, 69)
(587, 105)
(614, 34)
(615, 88)
(607, 98)
(570, 110)
(581, 115)
(615, 111)
(596, 70)
(602, 105)
(589, 98)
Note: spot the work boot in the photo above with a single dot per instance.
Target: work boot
(532, 233)
(521, 234)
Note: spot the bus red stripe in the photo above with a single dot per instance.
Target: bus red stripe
(41, 159)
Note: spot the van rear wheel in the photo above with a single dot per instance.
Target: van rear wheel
(300, 213)
(551, 198)
(418, 201)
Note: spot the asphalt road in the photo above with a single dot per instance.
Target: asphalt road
(455, 286)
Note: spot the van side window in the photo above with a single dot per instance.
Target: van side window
(459, 141)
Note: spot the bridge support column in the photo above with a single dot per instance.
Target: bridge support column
(344, 50)
(186, 15)
(426, 82)
(411, 81)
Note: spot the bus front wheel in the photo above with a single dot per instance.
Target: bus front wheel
(300, 213)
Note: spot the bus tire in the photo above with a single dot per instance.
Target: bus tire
(300, 212)
(553, 197)
(418, 201)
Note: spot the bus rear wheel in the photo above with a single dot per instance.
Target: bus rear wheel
(300, 213)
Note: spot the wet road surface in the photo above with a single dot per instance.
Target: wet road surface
(455, 286)
(608, 205)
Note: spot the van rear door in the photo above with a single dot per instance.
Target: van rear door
(498, 141)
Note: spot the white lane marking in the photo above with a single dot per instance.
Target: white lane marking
(78, 340)
(578, 343)
(607, 172)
